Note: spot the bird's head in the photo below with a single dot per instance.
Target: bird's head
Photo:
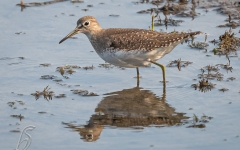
(87, 25)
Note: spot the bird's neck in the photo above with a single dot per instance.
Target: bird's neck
(95, 38)
(92, 35)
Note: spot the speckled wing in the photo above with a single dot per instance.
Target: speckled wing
(147, 40)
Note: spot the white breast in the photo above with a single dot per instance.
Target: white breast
(133, 58)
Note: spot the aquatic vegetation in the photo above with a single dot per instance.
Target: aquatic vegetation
(167, 22)
(228, 44)
(211, 72)
(209, 75)
(67, 69)
(173, 8)
(203, 86)
(178, 63)
(45, 93)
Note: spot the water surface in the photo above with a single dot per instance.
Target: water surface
(122, 116)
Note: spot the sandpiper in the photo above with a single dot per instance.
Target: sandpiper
(128, 47)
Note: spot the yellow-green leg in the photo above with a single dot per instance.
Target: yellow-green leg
(163, 71)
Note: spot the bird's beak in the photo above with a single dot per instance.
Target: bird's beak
(75, 31)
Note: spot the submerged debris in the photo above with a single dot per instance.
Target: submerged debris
(11, 104)
(70, 71)
(214, 41)
(178, 9)
(223, 89)
(200, 122)
(231, 79)
(20, 33)
(232, 24)
(58, 80)
(45, 64)
(227, 67)
(42, 112)
(198, 45)
(73, 37)
(84, 93)
(60, 96)
(106, 65)
(167, 9)
(8, 58)
(77, 1)
(227, 8)
(88, 67)
(85, 9)
(113, 15)
(33, 4)
(48, 77)
(15, 63)
(15, 130)
(188, 14)
(18, 116)
(89, 5)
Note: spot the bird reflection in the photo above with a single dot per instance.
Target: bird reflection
(130, 108)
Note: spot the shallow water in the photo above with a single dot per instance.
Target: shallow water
(101, 122)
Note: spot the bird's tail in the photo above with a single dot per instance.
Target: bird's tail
(195, 33)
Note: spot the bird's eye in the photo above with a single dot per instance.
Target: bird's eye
(86, 23)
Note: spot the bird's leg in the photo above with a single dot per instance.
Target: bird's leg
(163, 71)
(138, 77)
(137, 72)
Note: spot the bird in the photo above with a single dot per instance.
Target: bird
(129, 47)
